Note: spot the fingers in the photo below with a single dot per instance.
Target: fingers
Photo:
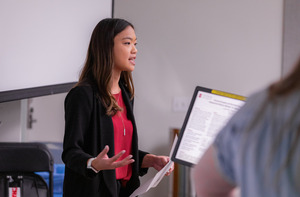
(165, 160)
(162, 161)
(103, 162)
(126, 161)
(104, 152)
(117, 156)
(170, 170)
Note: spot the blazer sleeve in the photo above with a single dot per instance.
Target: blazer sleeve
(78, 108)
(142, 171)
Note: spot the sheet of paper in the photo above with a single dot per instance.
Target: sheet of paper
(153, 182)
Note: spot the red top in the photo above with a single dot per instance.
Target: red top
(122, 138)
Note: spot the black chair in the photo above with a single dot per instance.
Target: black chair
(25, 159)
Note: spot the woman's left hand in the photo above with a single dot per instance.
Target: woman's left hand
(157, 162)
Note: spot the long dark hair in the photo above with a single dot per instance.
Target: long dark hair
(99, 62)
(287, 84)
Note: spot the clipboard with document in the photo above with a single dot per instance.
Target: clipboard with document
(207, 114)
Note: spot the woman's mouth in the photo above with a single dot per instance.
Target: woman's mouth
(132, 60)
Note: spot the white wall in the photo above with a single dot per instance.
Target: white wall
(49, 119)
(291, 39)
(10, 119)
(48, 116)
(228, 45)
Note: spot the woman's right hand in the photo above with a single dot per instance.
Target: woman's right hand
(103, 162)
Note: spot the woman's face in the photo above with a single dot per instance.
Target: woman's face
(124, 51)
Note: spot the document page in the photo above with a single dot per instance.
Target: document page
(153, 182)
(209, 114)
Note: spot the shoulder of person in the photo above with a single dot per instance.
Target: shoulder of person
(80, 89)
(258, 96)
(82, 92)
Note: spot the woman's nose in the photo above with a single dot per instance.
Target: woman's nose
(134, 49)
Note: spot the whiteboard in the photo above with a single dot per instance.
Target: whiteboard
(44, 42)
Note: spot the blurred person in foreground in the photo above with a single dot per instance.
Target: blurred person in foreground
(258, 150)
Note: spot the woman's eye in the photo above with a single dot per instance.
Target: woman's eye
(135, 44)
(127, 43)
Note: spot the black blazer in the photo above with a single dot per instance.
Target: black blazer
(87, 130)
